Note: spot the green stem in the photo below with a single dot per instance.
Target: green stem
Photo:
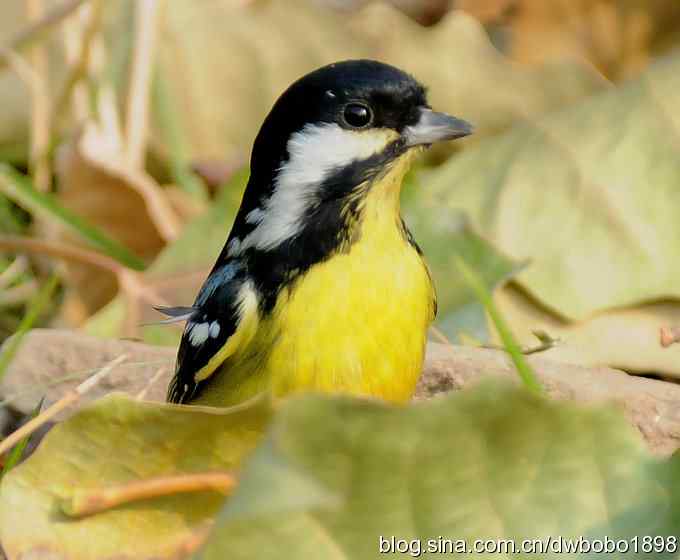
(36, 307)
(18, 450)
(525, 372)
(18, 187)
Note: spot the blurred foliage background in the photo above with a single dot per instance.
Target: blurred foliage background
(125, 131)
(126, 127)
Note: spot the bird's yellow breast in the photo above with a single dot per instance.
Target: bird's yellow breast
(355, 322)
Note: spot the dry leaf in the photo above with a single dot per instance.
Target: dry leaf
(587, 195)
(617, 36)
(625, 338)
(97, 184)
(465, 74)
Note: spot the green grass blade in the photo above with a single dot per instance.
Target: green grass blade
(36, 307)
(17, 451)
(9, 221)
(524, 370)
(18, 187)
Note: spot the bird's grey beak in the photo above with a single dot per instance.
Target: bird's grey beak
(434, 127)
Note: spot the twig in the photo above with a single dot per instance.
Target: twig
(12, 273)
(20, 67)
(131, 283)
(80, 61)
(17, 452)
(67, 400)
(18, 294)
(40, 105)
(33, 76)
(58, 380)
(61, 250)
(137, 111)
(85, 502)
(32, 33)
(439, 335)
(669, 336)
(156, 376)
(546, 342)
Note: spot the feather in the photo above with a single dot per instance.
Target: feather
(176, 314)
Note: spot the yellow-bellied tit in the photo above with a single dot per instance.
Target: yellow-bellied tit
(320, 285)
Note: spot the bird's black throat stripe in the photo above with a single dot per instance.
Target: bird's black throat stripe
(330, 225)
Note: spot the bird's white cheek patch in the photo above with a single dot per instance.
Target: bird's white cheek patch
(314, 153)
(317, 150)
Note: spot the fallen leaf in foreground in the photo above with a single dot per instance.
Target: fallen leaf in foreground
(117, 441)
(335, 473)
(489, 463)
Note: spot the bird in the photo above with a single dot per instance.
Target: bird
(320, 285)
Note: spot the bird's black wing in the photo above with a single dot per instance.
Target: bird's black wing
(213, 331)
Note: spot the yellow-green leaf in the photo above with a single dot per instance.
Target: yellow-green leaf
(483, 464)
(115, 441)
(589, 195)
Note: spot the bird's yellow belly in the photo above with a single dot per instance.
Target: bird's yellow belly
(353, 323)
(356, 324)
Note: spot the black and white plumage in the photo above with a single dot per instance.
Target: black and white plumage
(309, 158)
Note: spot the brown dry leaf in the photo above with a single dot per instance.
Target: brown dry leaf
(174, 277)
(128, 205)
(626, 338)
(425, 12)
(465, 74)
(487, 11)
(616, 36)
(588, 195)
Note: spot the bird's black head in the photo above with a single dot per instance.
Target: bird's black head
(329, 132)
(355, 95)
(319, 154)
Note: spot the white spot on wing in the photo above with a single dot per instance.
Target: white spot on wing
(314, 152)
(234, 247)
(214, 330)
(198, 333)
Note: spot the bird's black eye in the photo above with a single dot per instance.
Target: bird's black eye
(357, 115)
